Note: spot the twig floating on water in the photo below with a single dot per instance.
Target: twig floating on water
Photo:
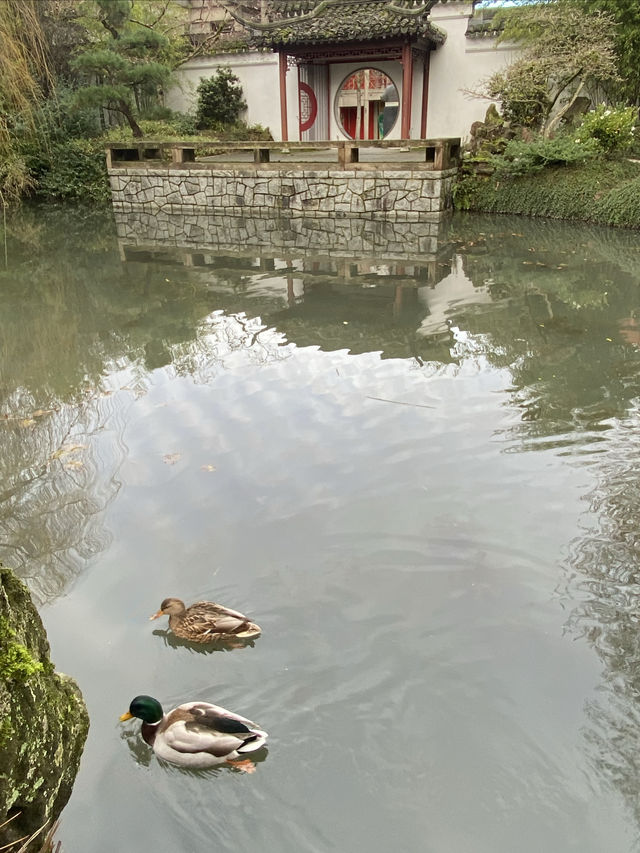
(401, 402)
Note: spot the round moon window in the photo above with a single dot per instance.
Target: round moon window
(367, 104)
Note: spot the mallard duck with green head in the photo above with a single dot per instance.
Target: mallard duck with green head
(206, 621)
(197, 734)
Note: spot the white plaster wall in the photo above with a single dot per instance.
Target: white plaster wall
(416, 102)
(259, 77)
(458, 65)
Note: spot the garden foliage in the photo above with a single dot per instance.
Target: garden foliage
(220, 99)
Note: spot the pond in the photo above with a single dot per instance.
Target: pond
(416, 466)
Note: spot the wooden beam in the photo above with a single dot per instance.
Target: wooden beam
(284, 124)
(407, 91)
(425, 95)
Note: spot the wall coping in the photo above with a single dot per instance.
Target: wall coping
(435, 154)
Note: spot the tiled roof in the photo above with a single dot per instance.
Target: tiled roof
(309, 22)
(482, 24)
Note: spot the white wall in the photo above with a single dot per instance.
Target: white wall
(458, 65)
(259, 77)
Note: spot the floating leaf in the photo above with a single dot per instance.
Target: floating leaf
(208, 468)
(66, 449)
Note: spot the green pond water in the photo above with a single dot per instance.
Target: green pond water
(418, 470)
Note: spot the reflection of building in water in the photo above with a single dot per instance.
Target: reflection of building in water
(380, 241)
(321, 283)
(352, 284)
(454, 292)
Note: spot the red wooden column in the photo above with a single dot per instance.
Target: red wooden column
(425, 94)
(407, 90)
(284, 125)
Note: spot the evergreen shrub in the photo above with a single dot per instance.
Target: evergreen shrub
(528, 157)
(75, 171)
(220, 99)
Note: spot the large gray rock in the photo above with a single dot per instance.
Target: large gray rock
(43, 718)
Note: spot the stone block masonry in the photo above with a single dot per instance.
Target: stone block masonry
(409, 195)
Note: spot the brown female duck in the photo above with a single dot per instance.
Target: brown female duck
(205, 621)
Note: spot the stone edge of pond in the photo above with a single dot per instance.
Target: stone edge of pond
(44, 721)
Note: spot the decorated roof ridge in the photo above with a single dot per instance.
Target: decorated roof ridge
(411, 8)
(482, 23)
(339, 21)
(295, 7)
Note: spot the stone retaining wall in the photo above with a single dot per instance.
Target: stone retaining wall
(410, 195)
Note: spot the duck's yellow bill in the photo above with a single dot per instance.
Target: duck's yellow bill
(126, 716)
(156, 615)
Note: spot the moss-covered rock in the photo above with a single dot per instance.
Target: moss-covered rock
(43, 718)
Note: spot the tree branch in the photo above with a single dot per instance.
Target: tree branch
(555, 121)
(108, 27)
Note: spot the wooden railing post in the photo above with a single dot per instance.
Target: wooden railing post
(348, 153)
(180, 154)
(439, 159)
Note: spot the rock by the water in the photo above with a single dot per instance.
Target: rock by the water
(43, 719)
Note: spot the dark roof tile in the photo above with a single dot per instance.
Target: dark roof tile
(307, 22)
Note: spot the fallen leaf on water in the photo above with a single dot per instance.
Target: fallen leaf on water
(66, 449)
(171, 458)
(40, 412)
(27, 422)
(73, 463)
(208, 468)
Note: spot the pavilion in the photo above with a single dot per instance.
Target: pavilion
(389, 40)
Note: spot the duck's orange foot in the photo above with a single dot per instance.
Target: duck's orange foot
(245, 765)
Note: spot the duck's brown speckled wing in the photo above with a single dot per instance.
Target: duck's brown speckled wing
(205, 618)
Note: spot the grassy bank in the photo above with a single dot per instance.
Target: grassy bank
(606, 192)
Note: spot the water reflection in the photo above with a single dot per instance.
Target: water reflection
(556, 306)
(174, 642)
(601, 593)
(161, 347)
(560, 317)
